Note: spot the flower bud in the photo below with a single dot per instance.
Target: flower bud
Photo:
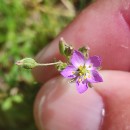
(64, 48)
(68, 51)
(85, 51)
(27, 63)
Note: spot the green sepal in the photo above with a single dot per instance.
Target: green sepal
(62, 46)
(65, 49)
(61, 66)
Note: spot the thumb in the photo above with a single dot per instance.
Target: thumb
(106, 106)
(60, 107)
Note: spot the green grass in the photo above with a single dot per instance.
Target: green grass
(26, 26)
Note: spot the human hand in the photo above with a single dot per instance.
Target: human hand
(105, 27)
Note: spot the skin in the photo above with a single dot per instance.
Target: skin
(104, 26)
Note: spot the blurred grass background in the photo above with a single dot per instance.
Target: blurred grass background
(26, 26)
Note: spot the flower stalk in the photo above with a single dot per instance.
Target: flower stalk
(49, 64)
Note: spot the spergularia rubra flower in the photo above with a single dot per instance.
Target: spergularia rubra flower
(84, 71)
(79, 67)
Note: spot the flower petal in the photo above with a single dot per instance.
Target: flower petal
(95, 61)
(77, 59)
(95, 77)
(69, 71)
(81, 86)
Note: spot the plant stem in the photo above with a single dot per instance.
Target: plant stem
(46, 64)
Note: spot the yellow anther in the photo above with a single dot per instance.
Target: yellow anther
(80, 67)
(80, 74)
(73, 72)
(82, 70)
(85, 76)
(79, 80)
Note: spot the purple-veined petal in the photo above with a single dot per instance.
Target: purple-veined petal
(69, 71)
(77, 59)
(94, 77)
(94, 61)
(81, 86)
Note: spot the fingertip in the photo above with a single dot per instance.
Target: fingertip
(60, 107)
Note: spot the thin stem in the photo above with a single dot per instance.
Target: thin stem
(46, 64)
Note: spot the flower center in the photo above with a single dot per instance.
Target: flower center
(83, 70)
(84, 73)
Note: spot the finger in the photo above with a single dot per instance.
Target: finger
(104, 27)
(115, 94)
(60, 107)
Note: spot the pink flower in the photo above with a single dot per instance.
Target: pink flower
(83, 70)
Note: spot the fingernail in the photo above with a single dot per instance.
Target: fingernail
(60, 107)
